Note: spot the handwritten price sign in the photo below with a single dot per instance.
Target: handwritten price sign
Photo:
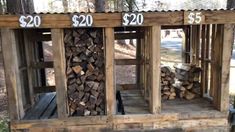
(194, 18)
(30, 21)
(132, 19)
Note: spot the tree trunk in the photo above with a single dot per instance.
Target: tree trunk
(100, 5)
(65, 5)
(230, 4)
(20, 6)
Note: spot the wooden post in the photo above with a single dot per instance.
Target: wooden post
(109, 71)
(217, 58)
(227, 44)
(11, 68)
(155, 95)
(60, 67)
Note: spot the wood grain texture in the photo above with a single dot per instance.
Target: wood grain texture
(109, 71)
(155, 95)
(29, 54)
(217, 58)
(59, 67)
(226, 58)
(114, 19)
(12, 79)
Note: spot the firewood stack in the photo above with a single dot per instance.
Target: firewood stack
(167, 81)
(85, 71)
(187, 81)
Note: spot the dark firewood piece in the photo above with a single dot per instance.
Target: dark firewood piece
(85, 71)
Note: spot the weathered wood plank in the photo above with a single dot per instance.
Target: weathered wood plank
(121, 36)
(109, 71)
(60, 123)
(155, 95)
(217, 65)
(44, 89)
(119, 119)
(138, 57)
(213, 36)
(11, 69)
(40, 107)
(128, 61)
(207, 56)
(203, 63)
(114, 19)
(59, 67)
(40, 65)
(227, 45)
(50, 109)
(29, 54)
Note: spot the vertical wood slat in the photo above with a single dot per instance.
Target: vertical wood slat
(29, 60)
(208, 30)
(148, 71)
(187, 44)
(213, 36)
(138, 57)
(155, 102)
(60, 67)
(145, 63)
(109, 72)
(11, 68)
(203, 48)
(227, 44)
(192, 44)
(197, 43)
(184, 43)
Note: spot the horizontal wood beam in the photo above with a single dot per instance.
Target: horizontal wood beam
(121, 36)
(41, 65)
(44, 89)
(121, 29)
(160, 120)
(129, 86)
(128, 62)
(59, 123)
(115, 19)
(174, 27)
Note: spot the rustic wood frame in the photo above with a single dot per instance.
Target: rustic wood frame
(221, 39)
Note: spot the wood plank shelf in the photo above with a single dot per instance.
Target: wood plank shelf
(133, 102)
(45, 108)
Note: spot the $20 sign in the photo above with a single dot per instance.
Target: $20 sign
(30, 21)
(132, 19)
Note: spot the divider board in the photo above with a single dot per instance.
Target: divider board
(115, 19)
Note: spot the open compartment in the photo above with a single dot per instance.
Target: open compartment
(35, 63)
(130, 61)
(191, 82)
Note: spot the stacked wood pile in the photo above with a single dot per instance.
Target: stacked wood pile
(85, 71)
(167, 81)
(187, 81)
